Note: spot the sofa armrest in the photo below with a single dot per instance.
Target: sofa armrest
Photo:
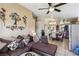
(5, 41)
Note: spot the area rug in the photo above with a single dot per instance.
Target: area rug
(29, 54)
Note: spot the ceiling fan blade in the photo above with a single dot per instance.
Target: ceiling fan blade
(42, 8)
(57, 10)
(50, 4)
(47, 12)
(60, 4)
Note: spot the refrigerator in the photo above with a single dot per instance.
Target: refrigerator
(73, 36)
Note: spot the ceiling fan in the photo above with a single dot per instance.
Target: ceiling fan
(52, 8)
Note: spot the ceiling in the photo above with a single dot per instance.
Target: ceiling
(67, 11)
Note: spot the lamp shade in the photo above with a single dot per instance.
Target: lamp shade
(33, 33)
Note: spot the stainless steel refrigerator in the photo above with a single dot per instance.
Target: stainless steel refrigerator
(73, 36)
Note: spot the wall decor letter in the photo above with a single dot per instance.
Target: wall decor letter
(2, 15)
(24, 19)
(14, 16)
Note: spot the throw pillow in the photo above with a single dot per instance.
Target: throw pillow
(26, 41)
(44, 39)
(35, 39)
(2, 44)
(20, 37)
(21, 45)
(18, 40)
(30, 37)
(13, 45)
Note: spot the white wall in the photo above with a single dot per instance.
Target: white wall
(41, 25)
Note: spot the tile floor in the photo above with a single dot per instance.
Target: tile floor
(62, 49)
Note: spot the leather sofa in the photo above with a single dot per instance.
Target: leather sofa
(42, 47)
(6, 52)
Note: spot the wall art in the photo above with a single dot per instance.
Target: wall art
(2, 15)
(24, 19)
(14, 16)
(15, 27)
(21, 27)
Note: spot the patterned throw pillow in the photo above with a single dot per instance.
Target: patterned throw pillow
(26, 41)
(13, 45)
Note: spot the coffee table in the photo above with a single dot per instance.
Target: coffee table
(29, 54)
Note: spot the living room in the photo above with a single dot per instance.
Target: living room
(31, 29)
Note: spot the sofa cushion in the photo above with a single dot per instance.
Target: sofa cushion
(30, 37)
(46, 48)
(29, 45)
(18, 52)
(4, 54)
(5, 48)
(2, 44)
(20, 37)
(21, 45)
(44, 39)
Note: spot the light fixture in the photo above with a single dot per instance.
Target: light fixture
(78, 20)
(67, 22)
(50, 23)
(51, 9)
(33, 33)
(61, 22)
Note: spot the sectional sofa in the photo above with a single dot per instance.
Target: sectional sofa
(42, 47)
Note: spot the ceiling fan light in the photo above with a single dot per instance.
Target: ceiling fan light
(51, 9)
